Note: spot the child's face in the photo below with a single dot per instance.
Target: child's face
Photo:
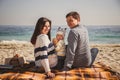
(59, 37)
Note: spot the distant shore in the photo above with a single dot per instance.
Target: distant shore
(109, 54)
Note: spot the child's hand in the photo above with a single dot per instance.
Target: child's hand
(55, 41)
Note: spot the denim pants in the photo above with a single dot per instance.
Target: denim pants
(61, 59)
(94, 52)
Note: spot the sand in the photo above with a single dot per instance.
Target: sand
(109, 54)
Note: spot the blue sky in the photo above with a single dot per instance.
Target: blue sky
(27, 12)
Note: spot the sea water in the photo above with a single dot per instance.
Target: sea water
(100, 34)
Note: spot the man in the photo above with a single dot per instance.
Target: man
(78, 50)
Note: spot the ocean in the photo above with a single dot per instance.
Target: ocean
(101, 34)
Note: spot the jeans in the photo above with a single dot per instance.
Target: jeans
(94, 52)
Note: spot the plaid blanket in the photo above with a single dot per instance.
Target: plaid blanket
(94, 73)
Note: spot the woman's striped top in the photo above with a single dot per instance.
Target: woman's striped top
(44, 53)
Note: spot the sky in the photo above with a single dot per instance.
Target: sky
(27, 12)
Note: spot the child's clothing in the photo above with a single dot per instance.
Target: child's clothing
(60, 48)
(60, 45)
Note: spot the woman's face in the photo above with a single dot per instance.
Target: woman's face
(72, 22)
(46, 28)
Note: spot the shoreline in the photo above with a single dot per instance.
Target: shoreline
(109, 54)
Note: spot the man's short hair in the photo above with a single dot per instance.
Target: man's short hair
(74, 14)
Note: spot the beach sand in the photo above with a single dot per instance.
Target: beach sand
(109, 54)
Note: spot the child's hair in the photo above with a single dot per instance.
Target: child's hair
(61, 31)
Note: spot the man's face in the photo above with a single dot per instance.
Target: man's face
(72, 22)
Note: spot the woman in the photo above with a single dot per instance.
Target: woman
(44, 50)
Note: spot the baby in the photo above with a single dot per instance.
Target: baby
(59, 44)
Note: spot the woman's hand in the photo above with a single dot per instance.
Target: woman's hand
(50, 74)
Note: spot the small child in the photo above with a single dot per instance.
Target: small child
(60, 46)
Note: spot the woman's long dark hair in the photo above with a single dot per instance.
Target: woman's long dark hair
(38, 28)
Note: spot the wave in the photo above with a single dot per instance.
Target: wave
(97, 34)
(13, 42)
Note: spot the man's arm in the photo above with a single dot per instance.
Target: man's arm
(71, 48)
